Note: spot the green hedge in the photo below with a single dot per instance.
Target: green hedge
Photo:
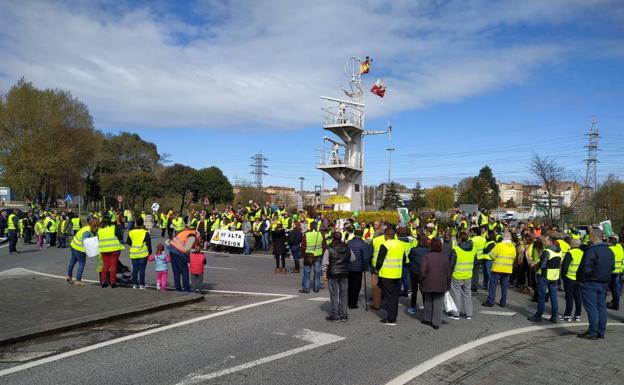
(366, 216)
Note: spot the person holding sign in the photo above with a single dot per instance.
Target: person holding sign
(78, 254)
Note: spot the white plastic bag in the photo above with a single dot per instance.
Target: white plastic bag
(449, 304)
(92, 247)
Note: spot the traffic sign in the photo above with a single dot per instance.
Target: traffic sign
(155, 206)
(68, 198)
(206, 201)
(119, 198)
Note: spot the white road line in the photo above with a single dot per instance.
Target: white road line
(72, 353)
(319, 299)
(220, 268)
(23, 270)
(317, 340)
(495, 312)
(449, 354)
(2, 247)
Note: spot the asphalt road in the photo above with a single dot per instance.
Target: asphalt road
(274, 339)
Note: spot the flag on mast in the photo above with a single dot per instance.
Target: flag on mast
(379, 88)
(365, 65)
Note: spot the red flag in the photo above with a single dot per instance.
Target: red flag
(365, 65)
(379, 88)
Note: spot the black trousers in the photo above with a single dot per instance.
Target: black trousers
(391, 289)
(353, 288)
(572, 297)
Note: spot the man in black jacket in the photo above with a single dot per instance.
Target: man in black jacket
(363, 253)
(594, 274)
(335, 268)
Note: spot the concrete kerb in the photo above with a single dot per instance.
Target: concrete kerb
(56, 327)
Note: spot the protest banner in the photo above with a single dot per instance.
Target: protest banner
(228, 238)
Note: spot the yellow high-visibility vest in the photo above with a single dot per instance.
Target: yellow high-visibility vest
(76, 242)
(504, 255)
(577, 255)
(138, 248)
(392, 267)
(107, 240)
(464, 263)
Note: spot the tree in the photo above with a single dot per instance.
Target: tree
(418, 200)
(211, 183)
(510, 204)
(550, 175)
(392, 199)
(47, 141)
(181, 180)
(485, 190)
(465, 191)
(609, 201)
(440, 198)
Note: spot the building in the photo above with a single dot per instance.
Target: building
(6, 195)
(513, 190)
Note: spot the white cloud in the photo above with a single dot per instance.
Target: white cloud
(265, 63)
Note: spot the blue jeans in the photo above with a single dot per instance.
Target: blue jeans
(138, 270)
(405, 279)
(615, 287)
(594, 301)
(317, 276)
(495, 279)
(246, 245)
(294, 249)
(542, 286)
(12, 241)
(179, 266)
(486, 267)
(76, 257)
(265, 240)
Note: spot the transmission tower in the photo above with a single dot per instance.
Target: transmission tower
(258, 168)
(592, 150)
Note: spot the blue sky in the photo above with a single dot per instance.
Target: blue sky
(213, 82)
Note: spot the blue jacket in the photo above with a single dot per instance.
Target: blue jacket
(415, 256)
(363, 253)
(597, 264)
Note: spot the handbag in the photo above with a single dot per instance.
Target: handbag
(449, 304)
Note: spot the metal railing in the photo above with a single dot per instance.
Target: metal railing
(331, 158)
(344, 114)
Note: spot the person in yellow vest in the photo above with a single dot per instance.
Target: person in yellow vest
(503, 257)
(39, 233)
(13, 229)
(110, 249)
(615, 285)
(390, 261)
(313, 245)
(178, 223)
(63, 230)
(75, 224)
(140, 248)
(461, 261)
(478, 241)
(78, 254)
(547, 276)
(378, 239)
(163, 224)
(179, 251)
(51, 229)
(569, 267)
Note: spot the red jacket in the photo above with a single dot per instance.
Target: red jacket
(197, 262)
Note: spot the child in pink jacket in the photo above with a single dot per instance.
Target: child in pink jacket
(162, 259)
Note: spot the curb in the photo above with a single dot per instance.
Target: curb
(99, 318)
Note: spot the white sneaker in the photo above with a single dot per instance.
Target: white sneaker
(142, 287)
(158, 286)
(135, 287)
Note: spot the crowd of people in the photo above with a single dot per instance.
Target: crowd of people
(446, 264)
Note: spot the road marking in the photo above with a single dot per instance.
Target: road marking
(449, 354)
(21, 270)
(2, 247)
(72, 353)
(220, 268)
(495, 312)
(317, 340)
(319, 299)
